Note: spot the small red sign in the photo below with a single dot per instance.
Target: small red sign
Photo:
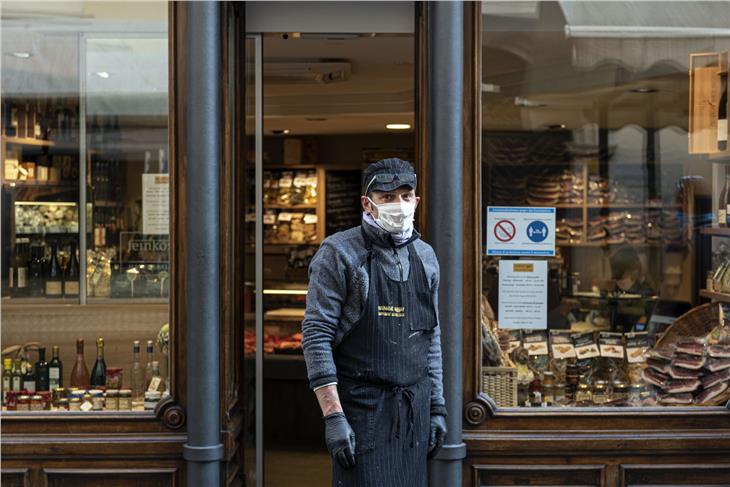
(505, 230)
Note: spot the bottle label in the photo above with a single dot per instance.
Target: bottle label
(17, 383)
(29, 386)
(22, 278)
(154, 384)
(54, 373)
(721, 216)
(71, 288)
(722, 130)
(54, 288)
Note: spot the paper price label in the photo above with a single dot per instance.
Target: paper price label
(154, 384)
(309, 218)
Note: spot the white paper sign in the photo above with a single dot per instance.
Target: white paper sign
(523, 294)
(520, 231)
(155, 204)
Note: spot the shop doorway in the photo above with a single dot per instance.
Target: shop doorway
(329, 87)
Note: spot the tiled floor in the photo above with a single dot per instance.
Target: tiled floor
(286, 468)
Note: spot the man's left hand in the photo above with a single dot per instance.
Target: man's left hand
(438, 433)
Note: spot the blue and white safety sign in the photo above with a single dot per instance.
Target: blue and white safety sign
(520, 231)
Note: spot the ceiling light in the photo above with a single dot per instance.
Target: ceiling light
(644, 90)
(555, 126)
(102, 74)
(21, 54)
(398, 126)
(280, 131)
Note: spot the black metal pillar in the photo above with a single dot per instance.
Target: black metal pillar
(203, 451)
(445, 218)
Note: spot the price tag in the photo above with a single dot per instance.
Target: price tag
(154, 384)
(310, 218)
(285, 216)
(312, 181)
(86, 407)
(300, 182)
(269, 218)
(285, 182)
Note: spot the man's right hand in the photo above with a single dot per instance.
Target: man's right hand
(340, 439)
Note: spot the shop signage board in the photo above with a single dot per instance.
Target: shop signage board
(517, 231)
(523, 294)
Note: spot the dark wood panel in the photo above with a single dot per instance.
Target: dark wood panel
(675, 475)
(14, 477)
(110, 477)
(540, 475)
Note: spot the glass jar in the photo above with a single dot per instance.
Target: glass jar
(58, 394)
(535, 390)
(86, 403)
(151, 398)
(125, 400)
(548, 384)
(62, 404)
(23, 403)
(635, 395)
(112, 399)
(97, 399)
(37, 403)
(559, 393)
(583, 395)
(620, 391)
(600, 393)
(114, 378)
(74, 404)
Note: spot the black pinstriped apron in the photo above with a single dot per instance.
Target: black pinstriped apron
(382, 370)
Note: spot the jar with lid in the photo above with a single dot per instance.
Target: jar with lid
(635, 395)
(58, 394)
(600, 393)
(74, 403)
(23, 403)
(114, 377)
(112, 399)
(125, 399)
(548, 384)
(559, 393)
(86, 403)
(151, 398)
(97, 399)
(620, 391)
(583, 393)
(62, 404)
(536, 391)
(37, 403)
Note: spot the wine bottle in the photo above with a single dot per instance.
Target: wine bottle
(13, 270)
(16, 381)
(29, 379)
(41, 371)
(71, 279)
(156, 380)
(21, 268)
(723, 203)
(138, 374)
(55, 370)
(35, 271)
(148, 366)
(54, 279)
(7, 378)
(98, 373)
(79, 373)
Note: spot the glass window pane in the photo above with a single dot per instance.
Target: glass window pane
(85, 213)
(588, 108)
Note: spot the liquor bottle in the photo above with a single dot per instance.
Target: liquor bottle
(35, 271)
(722, 126)
(29, 379)
(37, 124)
(55, 370)
(148, 366)
(19, 269)
(79, 373)
(156, 380)
(16, 381)
(71, 279)
(7, 378)
(54, 279)
(41, 371)
(138, 374)
(98, 373)
(13, 270)
(724, 202)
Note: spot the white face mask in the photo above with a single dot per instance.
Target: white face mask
(395, 217)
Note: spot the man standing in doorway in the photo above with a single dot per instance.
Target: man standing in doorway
(372, 342)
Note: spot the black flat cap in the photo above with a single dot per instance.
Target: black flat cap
(388, 174)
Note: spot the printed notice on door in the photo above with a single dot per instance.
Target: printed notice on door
(523, 294)
(155, 204)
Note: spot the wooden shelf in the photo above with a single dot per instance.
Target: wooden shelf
(27, 141)
(723, 297)
(716, 231)
(290, 207)
(18, 183)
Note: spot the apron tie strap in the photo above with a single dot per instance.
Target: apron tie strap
(400, 394)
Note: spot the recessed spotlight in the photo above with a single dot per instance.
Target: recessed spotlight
(21, 54)
(555, 126)
(280, 131)
(644, 90)
(102, 74)
(398, 126)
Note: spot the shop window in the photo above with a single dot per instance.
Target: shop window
(605, 233)
(85, 206)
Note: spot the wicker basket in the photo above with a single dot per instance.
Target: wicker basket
(500, 383)
(695, 323)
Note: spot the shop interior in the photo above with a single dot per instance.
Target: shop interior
(601, 126)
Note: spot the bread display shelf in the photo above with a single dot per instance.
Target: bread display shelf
(723, 297)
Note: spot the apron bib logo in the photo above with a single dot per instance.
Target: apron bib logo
(392, 311)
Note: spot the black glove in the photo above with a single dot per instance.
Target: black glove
(438, 433)
(340, 439)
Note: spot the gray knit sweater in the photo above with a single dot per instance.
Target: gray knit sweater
(338, 289)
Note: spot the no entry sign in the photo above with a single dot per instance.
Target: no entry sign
(520, 231)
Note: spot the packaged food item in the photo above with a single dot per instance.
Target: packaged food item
(587, 351)
(536, 344)
(636, 346)
(612, 356)
(125, 400)
(111, 401)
